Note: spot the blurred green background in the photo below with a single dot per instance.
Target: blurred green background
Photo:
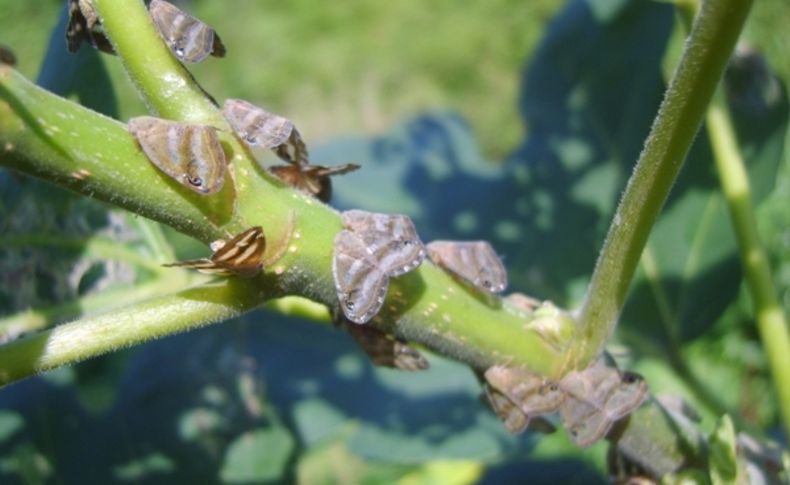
(517, 122)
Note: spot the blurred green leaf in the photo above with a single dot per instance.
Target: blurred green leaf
(330, 462)
(10, 423)
(153, 466)
(257, 456)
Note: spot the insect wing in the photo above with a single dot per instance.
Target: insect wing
(204, 265)
(583, 421)
(628, 394)
(242, 255)
(387, 351)
(598, 397)
(190, 39)
(84, 26)
(294, 149)
(361, 286)
(257, 126)
(321, 171)
(391, 239)
(512, 417)
(533, 394)
(190, 154)
(301, 177)
(312, 179)
(474, 261)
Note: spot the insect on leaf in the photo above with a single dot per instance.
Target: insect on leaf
(311, 179)
(391, 239)
(187, 37)
(190, 154)
(596, 398)
(241, 256)
(473, 261)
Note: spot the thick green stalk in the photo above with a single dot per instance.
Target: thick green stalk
(55, 139)
(90, 337)
(771, 320)
(705, 56)
(33, 320)
(770, 316)
(164, 84)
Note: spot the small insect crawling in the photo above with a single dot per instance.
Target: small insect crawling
(372, 248)
(257, 126)
(188, 38)
(517, 396)
(84, 26)
(190, 154)
(596, 398)
(241, 256)
(360, 284)
(473, 261)
(391, 239)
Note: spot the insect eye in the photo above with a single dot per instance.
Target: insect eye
(195, 181)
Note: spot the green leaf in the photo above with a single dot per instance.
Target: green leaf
(257, 456)
(10, 423)
(153, 466)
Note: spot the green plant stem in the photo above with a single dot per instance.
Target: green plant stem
(91, 248)
(40, 318)
(771, 320)
(705, 56)
(47, 136)
(164, 84)
(90, 337)
(772, 323)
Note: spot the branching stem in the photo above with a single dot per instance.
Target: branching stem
(705, 56)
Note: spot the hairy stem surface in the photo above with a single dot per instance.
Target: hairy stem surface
(705, 56)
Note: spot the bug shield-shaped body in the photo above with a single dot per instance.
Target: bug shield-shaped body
(241, 256)
(373, 248)
(190, 154)
(596, 398)
(257, 126)
(517, 396)
(473, 261)
(359, 282)
(187, 37)
(391, 238)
